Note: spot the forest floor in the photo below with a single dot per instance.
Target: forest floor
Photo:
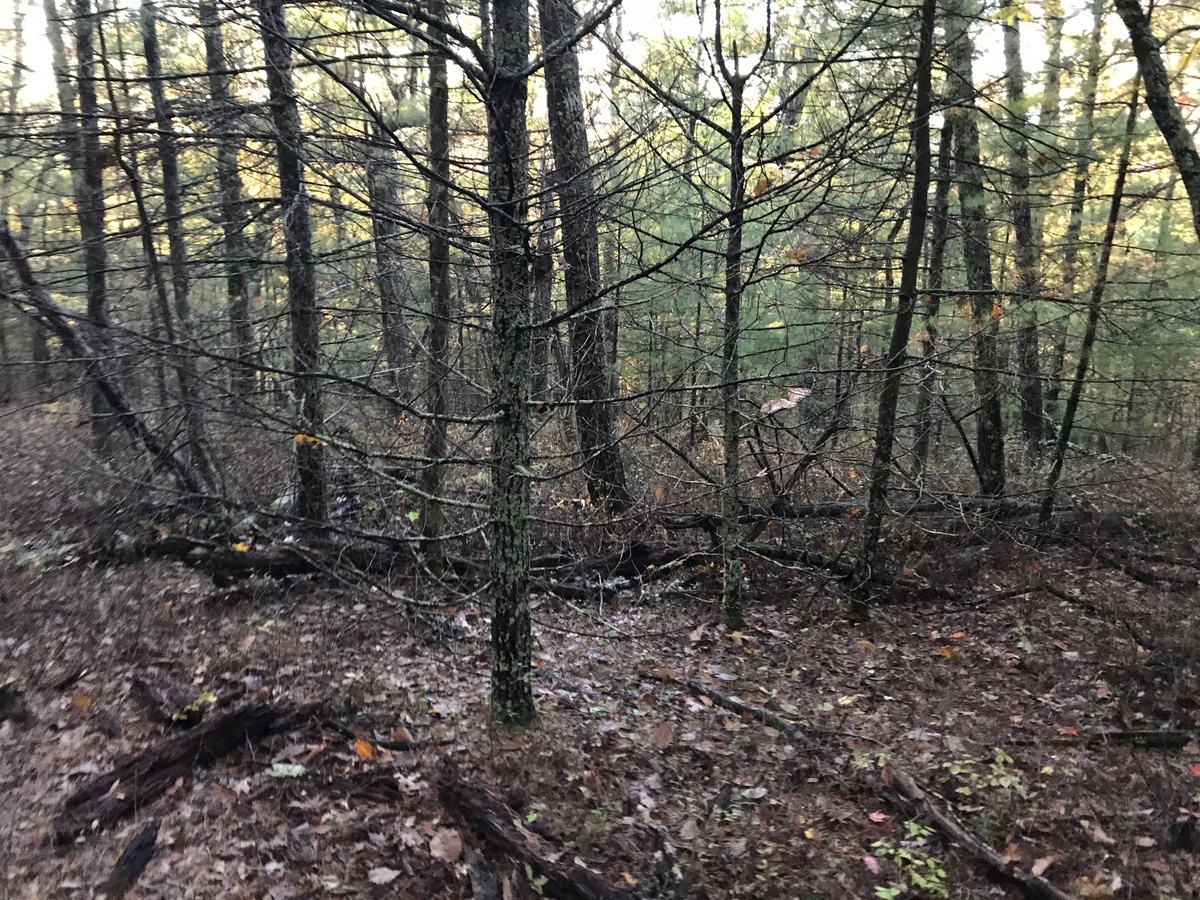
(1027, 710)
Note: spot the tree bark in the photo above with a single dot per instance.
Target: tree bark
(976, 251)
(508, 209)
(1161, 102)
(303, 312)
(594, 415)
(233, 209)
(1029, 374)
(871, 555)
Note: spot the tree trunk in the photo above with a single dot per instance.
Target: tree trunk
(1084, 133)
(161, 329)
(1029, 373)
(928, 386)
(90, 203)
(10, 144)
(1161, 101)
(594, 413)
(303, 312)
(168, 157)
(543, 288)
(437, 334)
(508, 208)
(731, 336)
(390, 277)
(233, 210)
(1094, 308)
(976, 251)
(871, 556)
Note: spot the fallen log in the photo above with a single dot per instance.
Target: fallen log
(140, 780)
(500, 827)
(132, 861)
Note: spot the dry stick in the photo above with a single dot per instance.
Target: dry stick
(1034, 885)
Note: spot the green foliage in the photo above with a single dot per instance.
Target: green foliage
(922, 870)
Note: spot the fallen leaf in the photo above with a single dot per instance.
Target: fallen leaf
(363, 747)
(878, 816)
(946, 651)
(382, 875)
(661, 736)
(696, 634)
(1100, 837)
(402, 735)
(1161, 866)
(446, 845)
(1041, 865)
(628, 879)
(664, 673)
(1144, 842)
(80, 700)
(1069, 731)
(958, 635)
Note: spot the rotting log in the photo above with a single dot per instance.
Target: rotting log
(499, 827)
(132, 861)
(141, 779)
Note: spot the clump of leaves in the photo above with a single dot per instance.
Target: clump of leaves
(922, 870)
(996, 775)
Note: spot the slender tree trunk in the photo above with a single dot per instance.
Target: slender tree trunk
(168, 157)
(303, 312)
(437, 334)
(1046, 158)
(15, 83)
(1161, 101)
(161, 322)
(508, 208)
(543, 287)
(1029, 374)
(594, 414)
(1084, 133)
(928, 385)
(976, 252)
(871, 556)
(1095, 306)
(91, 211)
(731, 335)
(233, 209)
(390, 277)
